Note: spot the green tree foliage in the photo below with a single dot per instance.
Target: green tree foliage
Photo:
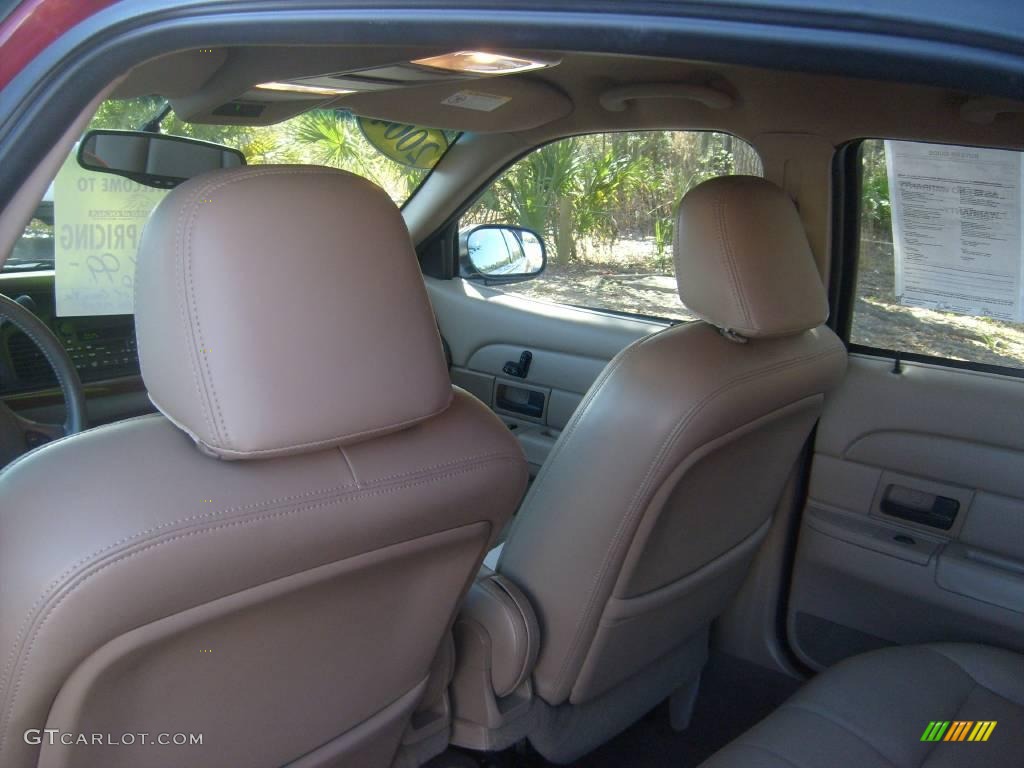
(531, 192)
(602, 186)
(333, 138)
(323, 137)
(876, 214)
(576, 191)
(124, 114)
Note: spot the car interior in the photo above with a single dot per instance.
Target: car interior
(344, 469)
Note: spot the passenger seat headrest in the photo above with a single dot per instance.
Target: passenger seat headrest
(742, 259)
(280, 309)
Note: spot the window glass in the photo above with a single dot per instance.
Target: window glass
(605, 206)
(494, 245)
(940, 255)
(397, 157)
(92, 222)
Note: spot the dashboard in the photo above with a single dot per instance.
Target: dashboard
(101, 347)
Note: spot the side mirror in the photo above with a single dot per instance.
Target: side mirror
(497, 253)
(153, 159)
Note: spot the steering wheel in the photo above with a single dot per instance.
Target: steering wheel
(18, 434)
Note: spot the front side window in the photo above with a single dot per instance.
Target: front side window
(605, 206)
(939, 268)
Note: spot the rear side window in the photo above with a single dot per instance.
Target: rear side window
(941, 251)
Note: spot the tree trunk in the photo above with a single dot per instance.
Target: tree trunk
(565, 243)
(746, 160)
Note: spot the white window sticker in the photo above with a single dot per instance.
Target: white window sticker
(98, 219)
(481, 102)
(956, 228)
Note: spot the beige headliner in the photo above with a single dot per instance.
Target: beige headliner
(794, 120)
(836, 108)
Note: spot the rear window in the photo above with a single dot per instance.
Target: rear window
(940, 260)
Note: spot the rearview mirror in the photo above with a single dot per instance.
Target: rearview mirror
(501, 254)
(153, 159)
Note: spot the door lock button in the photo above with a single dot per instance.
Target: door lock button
(520, 369)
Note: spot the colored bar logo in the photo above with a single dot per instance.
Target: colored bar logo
(959, 730)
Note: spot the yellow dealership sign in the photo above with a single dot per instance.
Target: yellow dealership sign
(408, 145)
(98, 220)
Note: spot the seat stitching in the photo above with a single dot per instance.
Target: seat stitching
(796, 328)
(326, 442)
(185, 262)
(725, 247)
(135, 299)
(83, 577)
(141, 539)
(351, 469)
(563, 440)
(179, 290)
(845, 726)
(41, 449)
(266, 503)
(680, 425)
(633, 508)
(198, 342)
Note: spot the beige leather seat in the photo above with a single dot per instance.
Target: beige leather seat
(645, 517)
(274, 560)
(873, 711)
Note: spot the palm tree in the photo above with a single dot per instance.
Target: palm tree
(331, 139)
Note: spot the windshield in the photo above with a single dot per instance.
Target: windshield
(395, 156)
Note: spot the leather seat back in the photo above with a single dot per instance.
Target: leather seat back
(273, 561)
(650, 508)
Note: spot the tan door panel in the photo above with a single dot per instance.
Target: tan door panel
(485, 329)
(914, 525)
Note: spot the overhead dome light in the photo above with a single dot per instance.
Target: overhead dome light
(482, 63)
(316, 90)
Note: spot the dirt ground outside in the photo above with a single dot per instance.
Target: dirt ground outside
(630, 276)
(879, 321)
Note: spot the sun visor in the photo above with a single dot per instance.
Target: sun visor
(172, 76)
(486, 105)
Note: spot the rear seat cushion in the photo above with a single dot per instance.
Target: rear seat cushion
(872, 710)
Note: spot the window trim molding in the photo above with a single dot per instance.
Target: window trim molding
(898, 356)
(847, 175)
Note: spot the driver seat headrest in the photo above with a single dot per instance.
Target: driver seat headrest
(281, 309)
